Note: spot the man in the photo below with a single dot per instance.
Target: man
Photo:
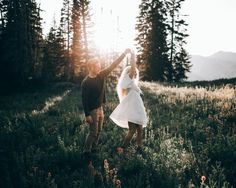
(93, 97)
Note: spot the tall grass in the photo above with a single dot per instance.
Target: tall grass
(189, 142)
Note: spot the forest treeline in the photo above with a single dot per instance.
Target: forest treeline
(28, 55)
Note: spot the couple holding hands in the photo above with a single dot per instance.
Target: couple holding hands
(130, 112)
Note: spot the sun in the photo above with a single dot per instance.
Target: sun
(106, 34)
(114, 24)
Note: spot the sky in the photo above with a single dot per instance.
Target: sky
(211, 27)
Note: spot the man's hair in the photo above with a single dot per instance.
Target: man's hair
(93, 61)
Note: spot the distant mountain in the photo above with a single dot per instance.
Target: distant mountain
(219, 65)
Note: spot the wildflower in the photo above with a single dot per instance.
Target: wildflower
(203, 179)
(203, 185)
(226, 106)
(106, 168)
(181, 141)
(208, 129)
(210, 117)
(106, 164)
(115, 170)
(111, 172)
(118, 183)
(190, 184)
(120, 150)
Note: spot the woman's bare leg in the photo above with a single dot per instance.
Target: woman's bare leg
(139, 135)
(128, 137)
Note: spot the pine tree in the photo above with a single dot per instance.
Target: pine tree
(11, 39)
(3, 11)
(86, 30)
(81, 50)
(49, 58)
(77, 37)
(37, 39)
(21, 40)
(142, 27)
(182, 65)
(152, 40)
(3, 20)
(54, 58)
(177, 38)
(84, 12)
(62, 55)
(66, 28)
(33, 38)
(75, 25)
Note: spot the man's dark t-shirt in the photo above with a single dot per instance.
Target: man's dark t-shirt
(93, 91)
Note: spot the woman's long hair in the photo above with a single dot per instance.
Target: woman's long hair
(124, 81)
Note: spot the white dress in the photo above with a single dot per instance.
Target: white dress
(131, 108)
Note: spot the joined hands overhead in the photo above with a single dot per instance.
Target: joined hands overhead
(128, 51)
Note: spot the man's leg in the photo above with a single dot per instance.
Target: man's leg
(93, 131)
(132, 129)
(100, 116)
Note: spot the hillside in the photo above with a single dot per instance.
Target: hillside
(217, 66)
(191, 133)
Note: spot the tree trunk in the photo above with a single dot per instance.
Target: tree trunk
(85, 32)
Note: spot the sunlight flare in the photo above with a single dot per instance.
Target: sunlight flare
(50, 103)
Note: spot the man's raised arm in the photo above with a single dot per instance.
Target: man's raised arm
(108, 70)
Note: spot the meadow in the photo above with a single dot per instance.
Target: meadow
(190, 140)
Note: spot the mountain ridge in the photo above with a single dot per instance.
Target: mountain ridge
(220, 65)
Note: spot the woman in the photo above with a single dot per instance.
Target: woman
(130, 113)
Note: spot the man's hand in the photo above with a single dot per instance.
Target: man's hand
(116, 62)
(127, 51)
(89, 119)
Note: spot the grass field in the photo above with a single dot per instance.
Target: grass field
(190, 140)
